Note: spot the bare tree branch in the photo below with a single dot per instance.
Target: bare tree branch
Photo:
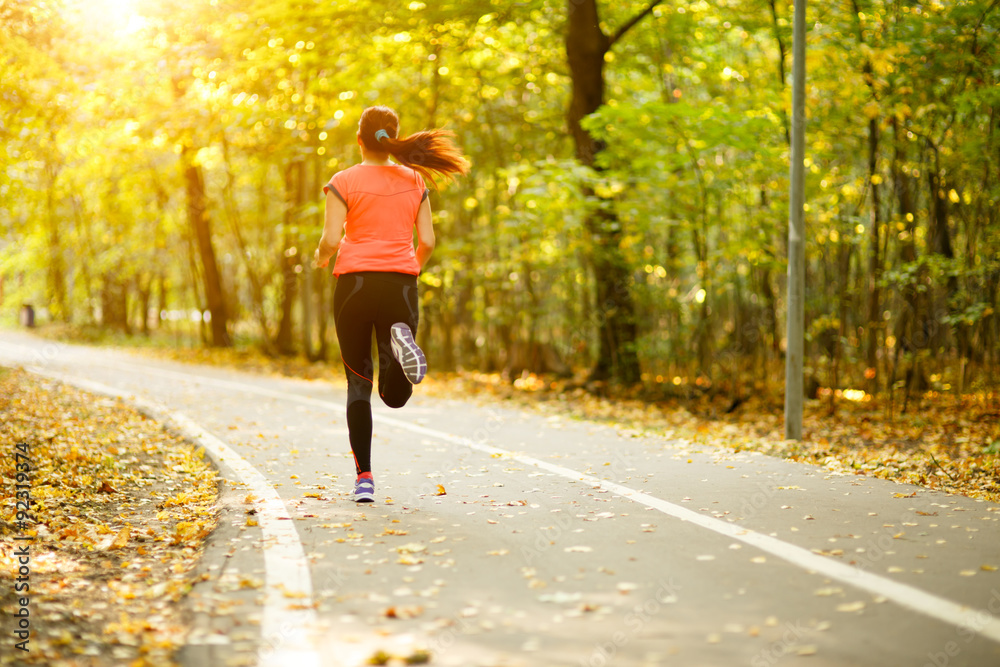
(631, 23)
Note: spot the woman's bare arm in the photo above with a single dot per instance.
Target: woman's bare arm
(425, 233)
(333, 230)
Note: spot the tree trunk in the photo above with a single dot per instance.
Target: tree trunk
(325, 302)
(236, 222)
(910, 313)
(114, 303)
(201, 224)
(307, 274)
(939, 241)
(145, 297)
(57, 264)
(289, 260)
(874, 260)
(782, 78)
(586, 46)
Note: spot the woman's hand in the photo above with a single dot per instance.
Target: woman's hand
(320, 262)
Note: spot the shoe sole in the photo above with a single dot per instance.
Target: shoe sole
(408, 353)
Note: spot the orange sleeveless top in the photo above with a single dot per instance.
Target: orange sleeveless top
(382, 204)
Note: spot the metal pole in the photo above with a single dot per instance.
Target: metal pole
(795, 345)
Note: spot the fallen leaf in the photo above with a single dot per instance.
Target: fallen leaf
(828, 591)
(121, 539)
(408, 559)
(418, 657)
(403, 612)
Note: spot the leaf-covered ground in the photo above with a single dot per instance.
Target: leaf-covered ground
(941, 442)
(119, 511)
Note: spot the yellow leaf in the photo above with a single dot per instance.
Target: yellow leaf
(408, 559)
(440, 491)
(121, 539)
(186, 529)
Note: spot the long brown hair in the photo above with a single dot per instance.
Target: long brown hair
(431, 152)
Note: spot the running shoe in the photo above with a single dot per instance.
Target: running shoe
(408, 353)
(364, 489)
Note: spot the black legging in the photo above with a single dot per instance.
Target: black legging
(362, 301)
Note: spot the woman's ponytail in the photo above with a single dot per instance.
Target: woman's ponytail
(431, 152)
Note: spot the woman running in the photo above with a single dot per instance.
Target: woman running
(371, 210)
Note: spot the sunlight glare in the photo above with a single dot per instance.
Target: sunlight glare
(120, 17)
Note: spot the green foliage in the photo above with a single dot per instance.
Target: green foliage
(98, 109)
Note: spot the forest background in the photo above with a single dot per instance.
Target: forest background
(627, 209)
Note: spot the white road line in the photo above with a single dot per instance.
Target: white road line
(284, 631)
(947, 611)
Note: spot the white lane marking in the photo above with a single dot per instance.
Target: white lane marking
(979, 621)
(283, 631)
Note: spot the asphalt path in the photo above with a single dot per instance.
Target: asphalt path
(508, 537)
